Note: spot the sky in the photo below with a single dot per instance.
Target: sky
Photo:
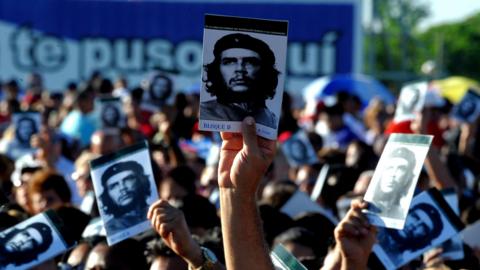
(445, 11)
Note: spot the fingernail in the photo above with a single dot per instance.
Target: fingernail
(249, 120)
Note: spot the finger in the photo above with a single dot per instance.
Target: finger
(156, 206)
(249, 133)
(226, 135)
(347, 229)
(165, 230)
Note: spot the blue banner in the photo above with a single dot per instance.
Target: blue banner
(68, 40)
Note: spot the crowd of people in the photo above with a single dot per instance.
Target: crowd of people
(221, 194)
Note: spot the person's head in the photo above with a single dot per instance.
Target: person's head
(125, 188)
(105, 141)
(48, 189)
(110, 115)
(163, 258)
(299, 241)
(81, 175)
(25, 128)
(178, 183)
(423, 224)
(397, 174)
(126, 255)
(243, 70)
(24, 245)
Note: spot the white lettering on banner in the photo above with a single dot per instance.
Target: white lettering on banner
(60, 59)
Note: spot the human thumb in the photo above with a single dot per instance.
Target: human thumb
(249, 133)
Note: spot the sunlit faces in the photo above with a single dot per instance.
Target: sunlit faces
(121, 188)
(393, 175)
(239, 68)
(25, 240)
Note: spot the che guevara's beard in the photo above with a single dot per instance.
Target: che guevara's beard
(135, 205)
(252, 95)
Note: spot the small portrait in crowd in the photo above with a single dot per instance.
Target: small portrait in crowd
(468, 109)
(26, 124)
(30, 243)
(111, 113)
(298, 150)
(410, 101)
(429, 223)
(243, 73)
(395, 178)
(124, 186)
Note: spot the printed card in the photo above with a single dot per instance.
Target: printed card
(430, 222)
(243, 74)
(124, 187)
(393, 183)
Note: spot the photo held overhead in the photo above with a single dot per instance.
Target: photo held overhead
(243, 73)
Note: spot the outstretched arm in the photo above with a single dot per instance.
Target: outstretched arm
(244, 158)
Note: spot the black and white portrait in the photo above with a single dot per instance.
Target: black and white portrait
(26, 124)
(468, 109)
(111, 114)
(428, 224)
(159, 88)
(298, 150)
(410, 101)
(29, 243)
(243, 76)
(395, 178)
(125, 188)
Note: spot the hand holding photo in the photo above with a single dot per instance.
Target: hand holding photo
(391, 188)
(124, 186)
(244, 72)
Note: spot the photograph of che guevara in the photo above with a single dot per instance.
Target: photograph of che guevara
(468, 109)
(429, 223)
(111, 113)
(30, 243)
(390, 192)
(243, 75)
(124, 186)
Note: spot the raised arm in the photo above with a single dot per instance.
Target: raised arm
(355, 238)
(171, 225)
(244, 158)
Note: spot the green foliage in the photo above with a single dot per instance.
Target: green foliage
(456, 46)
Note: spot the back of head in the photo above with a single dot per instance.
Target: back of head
(126, 255)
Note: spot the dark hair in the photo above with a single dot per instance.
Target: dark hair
(424, 240)
(268, 74)
(33, 124)
(184, 176)
(44, 180)
(22, 257)
(109, 206)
